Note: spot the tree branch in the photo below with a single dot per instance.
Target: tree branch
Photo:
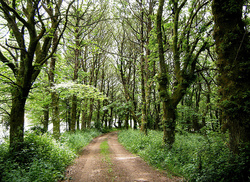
(5, 111)
(8, 63)
(5, 5)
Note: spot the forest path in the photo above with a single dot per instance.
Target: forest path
(116, 165)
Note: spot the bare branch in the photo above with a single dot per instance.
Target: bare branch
(5, 111)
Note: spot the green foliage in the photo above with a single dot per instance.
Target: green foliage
(108, 130)
(193, 156)
(41, 157)
(82, 90)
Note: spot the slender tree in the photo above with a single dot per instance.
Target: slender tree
(54, 95)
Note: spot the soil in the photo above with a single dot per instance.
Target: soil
(119, 165)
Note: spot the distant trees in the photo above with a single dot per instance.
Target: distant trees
(88, 30)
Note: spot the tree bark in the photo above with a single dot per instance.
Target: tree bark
(68, 114)
(55, 115)
(17, 117)
(76, 68)
(98, 120)
(73, 114)
(143, 70)
(46, 118)
(84, 115)
(54, 94)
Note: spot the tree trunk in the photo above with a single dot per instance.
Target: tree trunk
(133, 94)
(126, 120)
(78, 119)
(91, 105)
(184, 70)
(46, 118)
(196, 125)
(54, 95)
(168, 112)
(55, 115)
(17, 117)
(84, 113)
(75, 74)
(143, 70)
(73, 114)
(111, 109)
(233, 49)
(98, 120)
(169, 123)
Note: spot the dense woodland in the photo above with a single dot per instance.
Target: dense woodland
(177, 66)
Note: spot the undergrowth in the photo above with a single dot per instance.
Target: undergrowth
(193, 156)
(79, 139)
(42, 159)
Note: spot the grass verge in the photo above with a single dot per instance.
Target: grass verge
(193, 156)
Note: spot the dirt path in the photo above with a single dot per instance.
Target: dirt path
(119, 165)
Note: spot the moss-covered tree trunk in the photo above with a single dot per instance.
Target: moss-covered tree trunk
(85, 101)
(184, 61)
(55, 114)
(133, 92)
(233, 49)
(74, 97)
(144, 119)
(145, 72)
(54, 94)
(111, 119)
(98, 118)
(76, 68)
(19, 97)
(46, 117)
(163, 81)
(84, 114)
